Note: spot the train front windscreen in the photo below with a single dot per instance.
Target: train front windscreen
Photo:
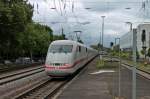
(60, 48)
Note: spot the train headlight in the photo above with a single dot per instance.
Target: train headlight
(68, 65)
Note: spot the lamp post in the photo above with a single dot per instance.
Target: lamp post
(99, 42)
(134, 31)
(119, 69)
(134, 67)
(102, 31)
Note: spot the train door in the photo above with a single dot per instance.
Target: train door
(78, 52)
(78, 55)
(86, 54)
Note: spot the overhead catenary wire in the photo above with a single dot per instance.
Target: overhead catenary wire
(133, 4)
(60, 7)
(106, 1)
(138, 22)
(76, 16)
(55, 6)
(144, 10)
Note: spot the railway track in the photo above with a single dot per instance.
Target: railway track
(9, 68)
(124, 63)
(140, 72)
(43, 90)
(136, 68)
(4, 79)
(49, 88)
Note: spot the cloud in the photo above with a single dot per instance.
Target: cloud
(75, 16)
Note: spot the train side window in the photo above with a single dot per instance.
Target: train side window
(86, 49)
(79, 48)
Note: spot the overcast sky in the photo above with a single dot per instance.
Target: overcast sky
(85, 16)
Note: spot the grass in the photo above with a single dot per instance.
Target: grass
(139, 65)
(104, 64)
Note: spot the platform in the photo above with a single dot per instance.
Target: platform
(89, 86)
(92, 84)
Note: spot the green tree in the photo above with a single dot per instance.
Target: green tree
(19, 35)
(35, 40)
(14, 17)
(148, 54)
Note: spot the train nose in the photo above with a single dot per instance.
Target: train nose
(59, 70)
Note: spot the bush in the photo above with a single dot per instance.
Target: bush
(148, 53)
(100, 63)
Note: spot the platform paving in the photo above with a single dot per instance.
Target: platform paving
(88, 86)
(105, 85)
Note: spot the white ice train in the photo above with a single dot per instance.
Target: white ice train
(65, 57)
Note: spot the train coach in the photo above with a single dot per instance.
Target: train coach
(65, 57)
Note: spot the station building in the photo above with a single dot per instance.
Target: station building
(126, 41)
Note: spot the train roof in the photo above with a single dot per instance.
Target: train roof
(63, 42)
(66, 42)
(59, 42)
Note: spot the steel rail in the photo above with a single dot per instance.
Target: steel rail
(14, 74)
(17, 77)
(49, 88)
(42, 90)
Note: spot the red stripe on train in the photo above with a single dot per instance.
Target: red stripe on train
(65, 67)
